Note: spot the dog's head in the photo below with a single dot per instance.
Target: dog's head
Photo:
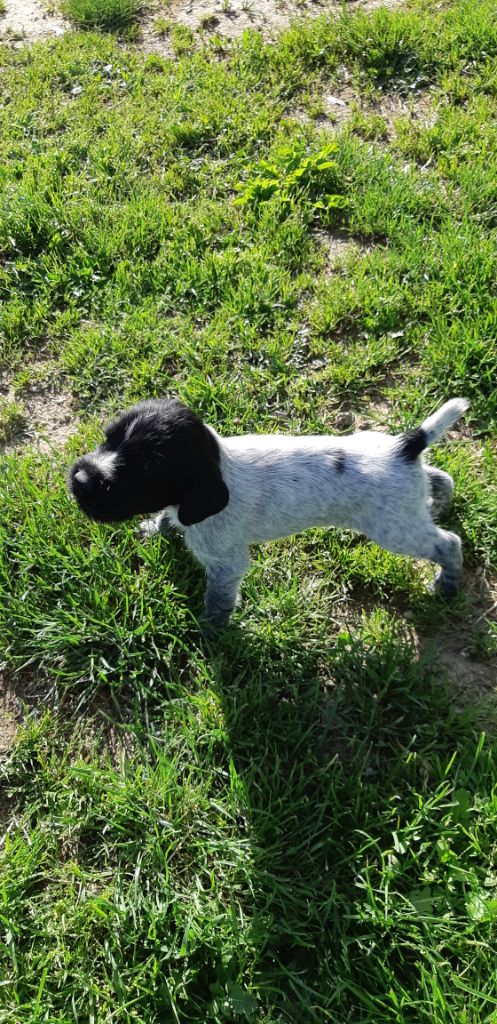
(156, 454)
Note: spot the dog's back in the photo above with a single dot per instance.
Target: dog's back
(281, 485)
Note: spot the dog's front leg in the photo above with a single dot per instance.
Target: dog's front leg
(223, 581)
(158, 526)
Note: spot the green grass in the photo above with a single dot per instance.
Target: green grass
(104, 14)
(11, 418)
(294, 821)
(162, 26)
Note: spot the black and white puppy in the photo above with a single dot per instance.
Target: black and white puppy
(224, 493)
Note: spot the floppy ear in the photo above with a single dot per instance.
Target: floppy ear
(206, 496)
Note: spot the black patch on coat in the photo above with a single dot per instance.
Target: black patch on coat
(340, 461)
(411, 444)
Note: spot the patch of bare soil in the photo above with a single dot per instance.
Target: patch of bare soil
(339, 245)
(29, 20)
(48, 417)
(230, 18)
(456, 650)
(32, 20)
(464, 674)
(470, 674)
(31, 693)
(471, 680)
(344, 103)
(375, 417)
(153, 42)
(470, 677)
(372, 5)
(341, 101)
(418, 106)
(10, 718)
(9, 715)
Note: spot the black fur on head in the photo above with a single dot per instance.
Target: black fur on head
(156, 454)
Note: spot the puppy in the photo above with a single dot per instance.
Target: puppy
(224, 493)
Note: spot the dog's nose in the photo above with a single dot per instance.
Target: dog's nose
(82, 478)
(83, 481)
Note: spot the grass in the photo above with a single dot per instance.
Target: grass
(182, 39)
(11, 418)
(162, 26)
(297, 820)
(103, 14)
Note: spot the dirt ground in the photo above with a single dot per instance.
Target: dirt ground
(27, 21)
(48, 416)
(9, 711)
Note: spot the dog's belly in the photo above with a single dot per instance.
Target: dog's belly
(292, 522)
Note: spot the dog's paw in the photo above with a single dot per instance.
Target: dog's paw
(148, 528)
(445, 586)
(212, 623)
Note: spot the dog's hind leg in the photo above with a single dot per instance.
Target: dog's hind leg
(420, 537)
(448, 554)
(441, 489)
(427, 541)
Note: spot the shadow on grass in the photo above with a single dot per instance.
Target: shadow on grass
(345, 754)
(355, 778)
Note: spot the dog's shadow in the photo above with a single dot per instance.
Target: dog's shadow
(327, 741)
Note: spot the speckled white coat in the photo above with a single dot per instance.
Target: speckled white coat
(280, 485)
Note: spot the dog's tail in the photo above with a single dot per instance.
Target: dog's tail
(413, 442)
